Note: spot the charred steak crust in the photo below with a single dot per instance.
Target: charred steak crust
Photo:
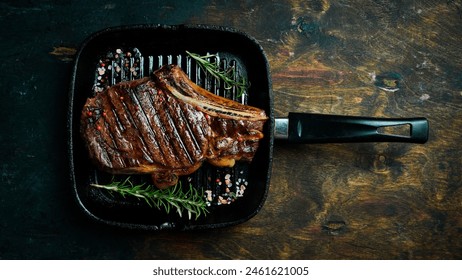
(166, 125)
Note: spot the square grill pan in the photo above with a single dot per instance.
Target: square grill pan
(131, 52)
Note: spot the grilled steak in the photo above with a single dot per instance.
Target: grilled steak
(167, 126)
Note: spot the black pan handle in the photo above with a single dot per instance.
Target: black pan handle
(319, 128)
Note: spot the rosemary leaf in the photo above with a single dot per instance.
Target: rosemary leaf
(227, 76)
(192, 201)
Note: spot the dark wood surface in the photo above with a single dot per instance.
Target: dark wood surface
(329, 201)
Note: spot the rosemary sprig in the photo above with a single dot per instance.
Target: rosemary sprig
(192, 201)
(228, 76)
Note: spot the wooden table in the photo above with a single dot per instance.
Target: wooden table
(326, 201)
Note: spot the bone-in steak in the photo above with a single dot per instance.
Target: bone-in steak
(166, 125)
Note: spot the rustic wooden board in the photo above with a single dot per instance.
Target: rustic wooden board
(331, 201)
(360, 201)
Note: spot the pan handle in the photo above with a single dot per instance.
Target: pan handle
(319, 128)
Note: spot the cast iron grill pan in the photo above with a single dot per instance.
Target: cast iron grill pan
(158, 45)
(151, 47)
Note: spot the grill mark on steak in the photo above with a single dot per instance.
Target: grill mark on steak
(174, 137)
(192, 135)
(143, 124)
(191, 149)
(124, 144)
(184, 128)
(118, 132)
(151, 138)
(160, 137)
(171, 135)
(106, 139)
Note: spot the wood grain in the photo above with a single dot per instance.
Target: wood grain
(352, 201)
(378, 58)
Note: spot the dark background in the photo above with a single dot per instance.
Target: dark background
(332, 201)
